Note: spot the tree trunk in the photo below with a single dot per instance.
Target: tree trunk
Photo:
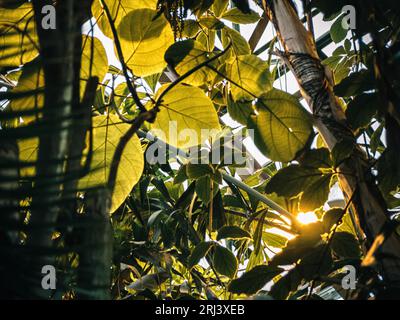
(315, 81)
(60, 59)
(95, 253)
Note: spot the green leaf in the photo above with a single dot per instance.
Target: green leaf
(286, 284)
(186, 55)
(316, 193)
(190, 28)
(347, 225)
(376, 139)
(199, 252)
(254, 280)
(232, 232)
(28, 153)
(239, 44)
(152, 80)
(282, 127)
(145, 37)
(211, 22)
(206, 188)
(219, 7)
(389, 171)
(218, 212)
(107, 132)
(225, 262)
(342, 151)
(242, 5)
(18, 37)
(291, 180)
(345, 245)
(317, 159)
(154, 217)
(294, 250)
(356, 83)
(338, 33)
(332, 217)
(194, 171)
(362, 109)
(239, 111)
(236, 16)
(274, 240)
(257, 236)
(32, 77)
(207, 38)
(249, 76)
(118, 10)
(316, 263)
(185, 115)
(181, 176)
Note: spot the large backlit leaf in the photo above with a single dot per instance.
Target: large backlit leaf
(118, 9)
(144, 37)
(317, 262)
(184, 112)
(254, 280)
(337, 32)
(236, 16)
(232, 232)
(239, 44)
(18, 38)
(291, 180)
(239, 111)
(219, 7)
(282, 127)
(250, 77)
(224, 261)
(184, 56)
(32, 77)
(332, 217)
(345, 245)
(199, 252)
(107, 132)
(316, 193)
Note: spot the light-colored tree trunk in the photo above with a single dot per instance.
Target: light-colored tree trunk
(315, 81)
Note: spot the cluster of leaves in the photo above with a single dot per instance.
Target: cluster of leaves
(180, 229)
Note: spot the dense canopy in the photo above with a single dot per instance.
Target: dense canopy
(205, 150)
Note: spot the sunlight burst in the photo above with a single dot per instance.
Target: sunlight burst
(307, 217)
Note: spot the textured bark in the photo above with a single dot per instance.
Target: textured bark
(95, 255)
(300, 54)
